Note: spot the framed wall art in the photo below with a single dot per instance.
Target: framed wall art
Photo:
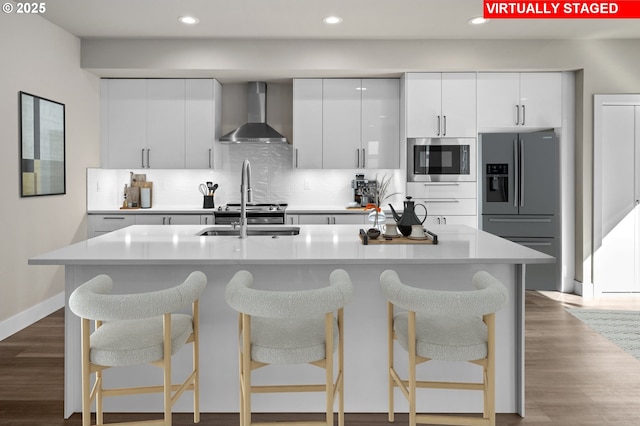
(42, 146)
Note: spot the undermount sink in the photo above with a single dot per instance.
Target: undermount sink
(253, 230)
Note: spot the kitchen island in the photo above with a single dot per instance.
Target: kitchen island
(149, 257)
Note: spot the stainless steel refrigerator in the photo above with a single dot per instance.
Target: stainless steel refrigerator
(520, 190)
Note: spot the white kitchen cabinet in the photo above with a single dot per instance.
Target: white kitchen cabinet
(124, 123)
(99, 224)
(380, 123)
(346, 123)
(307, 123)
(441, 104)
(332, 219)
(341, 126)
(165, 124)
(159, 123)
(168, 219)
(469, 220)
(203, 103)
(520, 100)
(448, 203)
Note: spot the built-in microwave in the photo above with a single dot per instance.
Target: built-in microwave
(441, 159)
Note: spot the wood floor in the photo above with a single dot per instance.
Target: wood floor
(574, 376)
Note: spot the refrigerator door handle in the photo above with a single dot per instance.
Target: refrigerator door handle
(522, 163)
(516, 175)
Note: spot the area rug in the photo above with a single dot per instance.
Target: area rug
(620, 327)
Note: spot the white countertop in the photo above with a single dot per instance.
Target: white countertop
(316, 244)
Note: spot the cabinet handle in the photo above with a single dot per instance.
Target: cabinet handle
(328, 220)
(438, 221)
(296, 158)
(524, 114)
(517, 114)
(357, 158)
(334, 220)
(148, 164)
(363, 157)
(441, 184)
(169, 220)
(210, 151)
(438, 133)
(142, 158)
(444, 220)
(164, 220)
(206, 220)
(113, 218)
(442, 200)
(444, 125)
(515, 220)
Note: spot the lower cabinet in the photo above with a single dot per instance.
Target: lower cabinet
(98, 224)
(166, 219)
(327, 219)
(447, 203)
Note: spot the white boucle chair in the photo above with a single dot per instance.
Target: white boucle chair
(291, 327)
(132, 329)
(444, 325)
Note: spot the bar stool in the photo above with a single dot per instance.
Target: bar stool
(444, 325)
(135, 329)
(291, 327)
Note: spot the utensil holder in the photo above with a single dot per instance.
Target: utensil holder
(208, 202)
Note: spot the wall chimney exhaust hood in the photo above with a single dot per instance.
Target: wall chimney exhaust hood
(256, 130)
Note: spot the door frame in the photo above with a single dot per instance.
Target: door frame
(599, 102)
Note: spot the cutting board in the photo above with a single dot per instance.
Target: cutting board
(432, 239)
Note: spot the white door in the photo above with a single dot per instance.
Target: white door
(341, 106)
(165, 123)
(307, 123)
(424, 105)
(459, 105)
(199, 123)
(498, 97)
(541, 99)
(381, 123)
(616, 259)
(126, 123)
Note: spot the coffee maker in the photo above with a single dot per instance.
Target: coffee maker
(364, 190)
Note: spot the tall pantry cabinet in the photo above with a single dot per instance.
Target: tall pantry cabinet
(616, 194)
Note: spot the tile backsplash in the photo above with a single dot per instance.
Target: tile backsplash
(273, 179)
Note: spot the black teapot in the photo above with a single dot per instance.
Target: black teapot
(408, 217)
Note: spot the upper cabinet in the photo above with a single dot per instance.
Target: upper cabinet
(441, 105)
(346, 123)
(520, 100)
(159, 123)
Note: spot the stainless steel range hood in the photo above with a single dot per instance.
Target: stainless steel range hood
(256, 130)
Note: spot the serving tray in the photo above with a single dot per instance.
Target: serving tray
(364, 238)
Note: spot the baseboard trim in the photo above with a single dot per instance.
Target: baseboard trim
(27, 317)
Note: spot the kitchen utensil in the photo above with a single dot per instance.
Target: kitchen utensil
(210, 188)
(417, 232)
(203, 189)
(408, 217)
(213, 190)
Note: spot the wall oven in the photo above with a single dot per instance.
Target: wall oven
(441, 159)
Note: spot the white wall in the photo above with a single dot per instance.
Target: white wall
(40, 58)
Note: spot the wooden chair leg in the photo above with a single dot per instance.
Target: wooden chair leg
(341, 367)
(99, 399)
(412, 368)
(196, 361)
(328, 344)
(86, 373)
(167, 368)
(246, 370)
(390, 360)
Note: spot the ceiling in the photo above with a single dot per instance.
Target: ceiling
(302, 19)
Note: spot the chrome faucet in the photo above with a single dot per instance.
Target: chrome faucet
(245, 196)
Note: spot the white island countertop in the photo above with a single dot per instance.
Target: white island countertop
(316, 244)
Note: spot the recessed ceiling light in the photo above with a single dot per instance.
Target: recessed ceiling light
(332, 20)
(189, 20)
(478, 20)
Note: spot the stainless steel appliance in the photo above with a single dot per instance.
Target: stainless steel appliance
(364, 190)
(441, 159)
(257, 213)
(520, 190)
